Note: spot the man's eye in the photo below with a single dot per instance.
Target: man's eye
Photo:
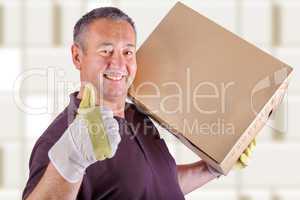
(128, 53)
(105, 52)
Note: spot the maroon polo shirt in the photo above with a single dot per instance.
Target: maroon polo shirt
(142, 167)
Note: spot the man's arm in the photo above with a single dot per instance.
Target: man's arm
(79, 147)
(53, 186)
(193, 176)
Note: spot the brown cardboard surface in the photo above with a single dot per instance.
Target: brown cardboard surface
(210, 88)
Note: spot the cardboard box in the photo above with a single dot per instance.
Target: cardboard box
(213, 90)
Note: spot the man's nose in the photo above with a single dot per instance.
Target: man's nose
(117, 60)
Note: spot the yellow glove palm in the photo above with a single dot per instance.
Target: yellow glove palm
(244, 158)
(242, 161)
(93, 119)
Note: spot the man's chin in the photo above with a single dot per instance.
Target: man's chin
(117, 96)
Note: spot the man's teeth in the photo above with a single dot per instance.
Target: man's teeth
(115, 78)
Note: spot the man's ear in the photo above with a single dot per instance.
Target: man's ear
(77, 54)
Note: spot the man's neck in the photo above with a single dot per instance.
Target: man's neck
(117, 107)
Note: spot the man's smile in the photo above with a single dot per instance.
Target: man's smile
(114, 77)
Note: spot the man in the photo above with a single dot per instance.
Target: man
(63, 164)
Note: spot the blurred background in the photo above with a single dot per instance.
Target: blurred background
(37, 77)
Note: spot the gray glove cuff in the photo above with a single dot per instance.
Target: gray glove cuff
(69, 157)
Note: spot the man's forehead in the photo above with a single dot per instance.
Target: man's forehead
(113, 29)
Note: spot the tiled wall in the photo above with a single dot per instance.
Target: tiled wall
(35, 38)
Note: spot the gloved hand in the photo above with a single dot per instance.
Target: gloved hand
(244, 158)
(242, 161)
(92, 136)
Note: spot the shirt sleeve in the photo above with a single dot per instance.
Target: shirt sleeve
(37, 166)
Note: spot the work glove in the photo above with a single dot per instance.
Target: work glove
(92, 136)
(246, 155)
(242, 162)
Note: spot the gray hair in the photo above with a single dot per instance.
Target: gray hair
(98, 13)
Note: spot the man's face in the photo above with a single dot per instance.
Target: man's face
(108, 60)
